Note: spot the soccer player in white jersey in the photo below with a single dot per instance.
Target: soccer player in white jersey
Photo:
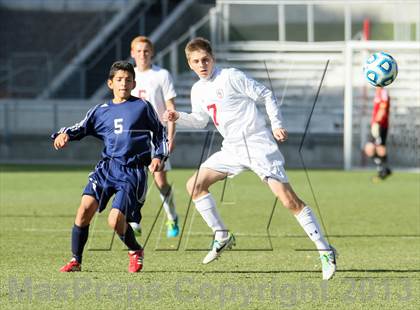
(228, 97)
(155, 85)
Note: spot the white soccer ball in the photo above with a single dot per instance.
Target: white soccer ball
(380, 69)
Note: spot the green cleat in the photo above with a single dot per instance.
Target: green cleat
(218, 247)
(172, 228)
(329, 265)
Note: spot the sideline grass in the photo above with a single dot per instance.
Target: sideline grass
(375, 227)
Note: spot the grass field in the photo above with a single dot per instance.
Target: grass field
(375, 228)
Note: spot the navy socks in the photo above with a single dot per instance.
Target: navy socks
(79, 236)
(130, 240)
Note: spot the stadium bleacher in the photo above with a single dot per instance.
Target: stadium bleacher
(41, 45)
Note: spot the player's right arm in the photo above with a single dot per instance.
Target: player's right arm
(196, 119)
(61, 141)
(75, 132)
(193, 120)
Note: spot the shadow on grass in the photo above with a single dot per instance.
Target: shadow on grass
(341, 273)
(283, 271)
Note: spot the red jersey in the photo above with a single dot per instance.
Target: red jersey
(381, 102)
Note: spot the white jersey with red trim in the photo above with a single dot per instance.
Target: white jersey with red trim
(156, 86)
(229, 98)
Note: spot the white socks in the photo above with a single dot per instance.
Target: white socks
(310, 225)
(168, 202)
(206, 206)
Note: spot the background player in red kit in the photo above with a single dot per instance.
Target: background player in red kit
(376, 147)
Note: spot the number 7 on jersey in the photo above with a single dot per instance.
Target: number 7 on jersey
(214, 108)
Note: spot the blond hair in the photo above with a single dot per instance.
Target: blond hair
(142, 39)
(196, 44)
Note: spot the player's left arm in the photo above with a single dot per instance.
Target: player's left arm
(274, 113)
(258, 92)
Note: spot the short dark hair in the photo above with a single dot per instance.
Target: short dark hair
(121, 65)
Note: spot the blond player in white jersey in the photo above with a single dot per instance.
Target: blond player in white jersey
(155, 85)
(228, 97)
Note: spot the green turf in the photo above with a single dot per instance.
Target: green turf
(375, 227)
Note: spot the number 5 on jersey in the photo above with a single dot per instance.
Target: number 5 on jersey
(214, 108)
(118, 126)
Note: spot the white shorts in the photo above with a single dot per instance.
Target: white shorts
(259, 154)
(168, 165)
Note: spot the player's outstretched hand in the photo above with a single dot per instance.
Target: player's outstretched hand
(156, 165)
(170, 116)
(61, 141)
(280, 134)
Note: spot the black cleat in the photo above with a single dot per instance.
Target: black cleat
(384, 173)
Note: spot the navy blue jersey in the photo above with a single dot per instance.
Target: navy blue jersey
(127, 130)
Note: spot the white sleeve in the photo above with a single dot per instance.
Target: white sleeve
(197, 118)
(168, 88)
(193, 120)
(257, 91)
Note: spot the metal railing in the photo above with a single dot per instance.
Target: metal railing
(65, 5)
(108, 44)
(156, 36)
(44, 64)
(221, 29)
(170, 56)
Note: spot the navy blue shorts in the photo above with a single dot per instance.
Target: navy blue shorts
(128, 184)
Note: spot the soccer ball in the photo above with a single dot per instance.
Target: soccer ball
(380, 69)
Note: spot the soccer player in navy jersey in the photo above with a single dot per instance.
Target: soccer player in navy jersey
(124, 124)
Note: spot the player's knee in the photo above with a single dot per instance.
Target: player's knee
(112, 222)
(370, 149)
(195, 188)
(292, 204)
(85, 209)
(161, 182)
(116, 220)
(191, 185)
(381, 150)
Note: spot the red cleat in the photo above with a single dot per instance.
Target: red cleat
(136, 261)
(71, 266)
